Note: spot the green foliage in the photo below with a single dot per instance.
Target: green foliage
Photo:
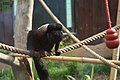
(6, 74)
(69, 77)
(92, 72)
(4, 51)
(86, 77)
(102, 69)
(59, 70)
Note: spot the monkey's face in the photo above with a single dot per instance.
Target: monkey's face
(54, 33)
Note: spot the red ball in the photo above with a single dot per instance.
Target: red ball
(111, 31)
(111, 36)
(112, 43)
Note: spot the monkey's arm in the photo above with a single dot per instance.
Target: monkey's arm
(30, 42)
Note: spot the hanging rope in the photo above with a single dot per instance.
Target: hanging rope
(108, 13)
(112, 40)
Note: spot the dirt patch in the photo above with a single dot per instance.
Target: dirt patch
(104, 77)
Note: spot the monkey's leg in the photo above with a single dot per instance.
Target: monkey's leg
(57, 52)
(41, 69)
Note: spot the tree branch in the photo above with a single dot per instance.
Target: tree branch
(7, 59)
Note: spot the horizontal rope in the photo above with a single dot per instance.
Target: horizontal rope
(64, 50)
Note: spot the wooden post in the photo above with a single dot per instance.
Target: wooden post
(23, 23)
(113, 74)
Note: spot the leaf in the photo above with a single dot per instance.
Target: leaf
(69, 77)
(86, 77)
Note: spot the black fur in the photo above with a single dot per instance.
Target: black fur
(43, 39)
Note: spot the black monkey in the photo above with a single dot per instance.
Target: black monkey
(43, 40)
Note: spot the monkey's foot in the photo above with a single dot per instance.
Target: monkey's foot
(49, 54)
(57, 53)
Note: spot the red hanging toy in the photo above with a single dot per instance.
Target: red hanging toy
(111, 34)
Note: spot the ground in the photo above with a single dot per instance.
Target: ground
(100, 49)
(104, 77)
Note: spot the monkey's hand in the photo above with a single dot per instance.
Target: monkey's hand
(57, 52)
(40, 54)
(43, 53)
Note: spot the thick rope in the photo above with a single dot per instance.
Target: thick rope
(17, 50)
(64, 50)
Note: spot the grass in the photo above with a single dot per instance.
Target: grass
(59, 70)
(6, 74)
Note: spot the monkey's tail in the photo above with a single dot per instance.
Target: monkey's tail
(27, 66)
(41, 69)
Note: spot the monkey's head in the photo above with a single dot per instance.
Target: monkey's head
(54, 32)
